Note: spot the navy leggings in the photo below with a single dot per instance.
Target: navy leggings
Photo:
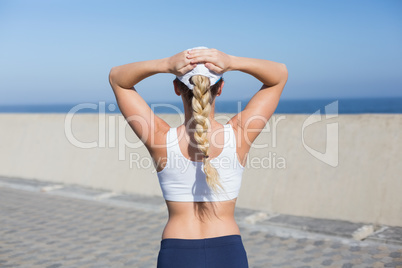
(216, 252)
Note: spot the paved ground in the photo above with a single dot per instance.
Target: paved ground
(43, 226)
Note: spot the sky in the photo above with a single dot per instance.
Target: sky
(55, 52)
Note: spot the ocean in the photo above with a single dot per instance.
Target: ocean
(306, 106)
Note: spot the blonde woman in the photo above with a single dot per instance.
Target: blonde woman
(199, 163)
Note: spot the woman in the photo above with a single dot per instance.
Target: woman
(200, 163)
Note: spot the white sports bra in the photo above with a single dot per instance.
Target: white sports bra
(184, 180)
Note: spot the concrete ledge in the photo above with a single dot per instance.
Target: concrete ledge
(323, 226)
(391, 235)
(278, 224)
(292, 175)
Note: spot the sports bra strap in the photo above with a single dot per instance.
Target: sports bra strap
(171, 142)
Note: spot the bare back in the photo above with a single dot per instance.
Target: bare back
(196, 220)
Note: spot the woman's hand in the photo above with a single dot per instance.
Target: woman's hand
(213, 59)
(180, 64)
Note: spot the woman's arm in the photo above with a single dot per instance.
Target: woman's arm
(146, 125)
(262, 105)
(270, 73)
(128, 75)
(249, 122)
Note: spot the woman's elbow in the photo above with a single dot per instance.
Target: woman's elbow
(284, 72)
(112, 76)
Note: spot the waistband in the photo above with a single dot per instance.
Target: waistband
(200, 243)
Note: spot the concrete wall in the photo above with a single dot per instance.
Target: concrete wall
(359, 179)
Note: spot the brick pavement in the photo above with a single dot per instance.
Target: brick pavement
(40, 229)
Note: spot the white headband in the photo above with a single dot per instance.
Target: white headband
(200, 69)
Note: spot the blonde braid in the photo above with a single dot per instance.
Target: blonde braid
(201, 104)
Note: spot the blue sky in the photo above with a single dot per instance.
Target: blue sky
(62, 51)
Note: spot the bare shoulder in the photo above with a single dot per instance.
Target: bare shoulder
(158, 149)
(242, 144)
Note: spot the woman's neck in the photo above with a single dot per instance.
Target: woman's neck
(189, 121)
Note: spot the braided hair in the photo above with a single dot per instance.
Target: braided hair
(201, 98)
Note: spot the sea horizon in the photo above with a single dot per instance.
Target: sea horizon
(286, 106)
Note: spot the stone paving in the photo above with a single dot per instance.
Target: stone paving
(50, 229)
